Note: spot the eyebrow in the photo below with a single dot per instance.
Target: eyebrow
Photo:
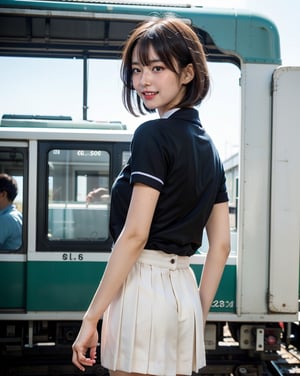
(150, 61)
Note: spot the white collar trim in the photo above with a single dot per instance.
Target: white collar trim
(169, 113)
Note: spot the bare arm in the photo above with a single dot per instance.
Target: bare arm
(127, 248)
(218, 233)
(124, 254)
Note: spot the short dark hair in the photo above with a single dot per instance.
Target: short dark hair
(9, 185)
(177, 45)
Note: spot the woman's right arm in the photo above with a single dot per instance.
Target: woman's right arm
(124, 254)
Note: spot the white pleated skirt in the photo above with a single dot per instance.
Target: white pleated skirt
(154, 326)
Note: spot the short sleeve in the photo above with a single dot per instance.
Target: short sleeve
(222, 194)
(149, 156)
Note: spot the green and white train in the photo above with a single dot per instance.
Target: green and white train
(46, 285)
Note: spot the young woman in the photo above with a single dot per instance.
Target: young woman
(172, 187)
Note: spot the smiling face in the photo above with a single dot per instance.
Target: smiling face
(163, 67)
(158, 86)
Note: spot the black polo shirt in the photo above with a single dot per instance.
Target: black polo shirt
(178, 158)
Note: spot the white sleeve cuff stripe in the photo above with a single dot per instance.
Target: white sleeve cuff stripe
(148, 175)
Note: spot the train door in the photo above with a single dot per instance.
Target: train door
(14, 162)
(285, 199)
(72, 235)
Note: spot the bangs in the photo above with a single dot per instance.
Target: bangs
(154, 40)
(175, 45)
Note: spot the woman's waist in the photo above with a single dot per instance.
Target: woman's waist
(163, 259)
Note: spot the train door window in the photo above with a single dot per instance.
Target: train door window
(72, 175)
(125, 157)
(12, 163)
(74, 183)
(92, 187)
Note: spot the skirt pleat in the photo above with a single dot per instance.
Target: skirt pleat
(154, 326)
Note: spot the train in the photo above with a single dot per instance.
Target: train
(46, 285)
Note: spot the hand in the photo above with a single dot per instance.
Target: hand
(96, 194)
(85, 343)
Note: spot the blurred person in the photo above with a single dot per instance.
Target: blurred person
(10, 217)
(98, 194)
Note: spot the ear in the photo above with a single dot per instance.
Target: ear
(3, 194)
(187, 74)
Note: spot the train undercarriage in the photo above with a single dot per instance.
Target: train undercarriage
(44, 348)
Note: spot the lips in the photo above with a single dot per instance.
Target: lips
(149, 94)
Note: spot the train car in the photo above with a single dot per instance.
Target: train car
(46, 285)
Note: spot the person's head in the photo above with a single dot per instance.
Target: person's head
(8, 188)
(178, 47)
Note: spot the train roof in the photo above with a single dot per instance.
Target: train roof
(98, 29)
(64, 122)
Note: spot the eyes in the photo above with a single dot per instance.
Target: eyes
(155, 68)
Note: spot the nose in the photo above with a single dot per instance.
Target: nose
(145, 77)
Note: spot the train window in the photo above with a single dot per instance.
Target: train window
(43, 96)
(72, 175)
(125, 157)
(67, 172)
(13, 162)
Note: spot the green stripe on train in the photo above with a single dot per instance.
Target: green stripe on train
(225, 299)
(62, 286)
(12, 285)
(69, 286)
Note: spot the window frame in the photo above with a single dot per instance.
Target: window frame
(115, 150)
(24, 151)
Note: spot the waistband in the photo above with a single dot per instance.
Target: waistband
(163, 260)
